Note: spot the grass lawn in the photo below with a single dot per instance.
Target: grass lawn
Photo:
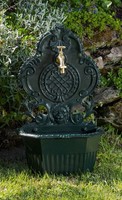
(105, 183)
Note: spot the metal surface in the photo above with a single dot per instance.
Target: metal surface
(59, 77)
(62, 156)
(59, 81)
(59, 131)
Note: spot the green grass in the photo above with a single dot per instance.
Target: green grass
(105, 183)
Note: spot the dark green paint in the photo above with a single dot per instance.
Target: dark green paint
(58, 139)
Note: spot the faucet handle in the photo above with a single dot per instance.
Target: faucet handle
(61, 59)
(61, 47)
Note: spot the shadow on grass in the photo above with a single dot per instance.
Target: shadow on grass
(13, 159)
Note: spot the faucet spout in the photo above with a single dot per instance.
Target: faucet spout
(62, 67)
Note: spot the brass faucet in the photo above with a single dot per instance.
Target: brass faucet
(61, 59)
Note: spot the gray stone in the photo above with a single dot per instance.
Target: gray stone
(115, 55)
(112, 114)
(99, 62)
(105, 96)
(87, 53)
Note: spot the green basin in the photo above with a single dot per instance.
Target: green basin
(62, 150)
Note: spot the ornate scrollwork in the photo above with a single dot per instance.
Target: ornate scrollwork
(38, 112)
(58, 37)
(56, 91)
(88, 104)
(85, 109)
(76, 118)
(57, 87)
(30, 71)
(89, 70)
(27, 70)
(29, 67)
